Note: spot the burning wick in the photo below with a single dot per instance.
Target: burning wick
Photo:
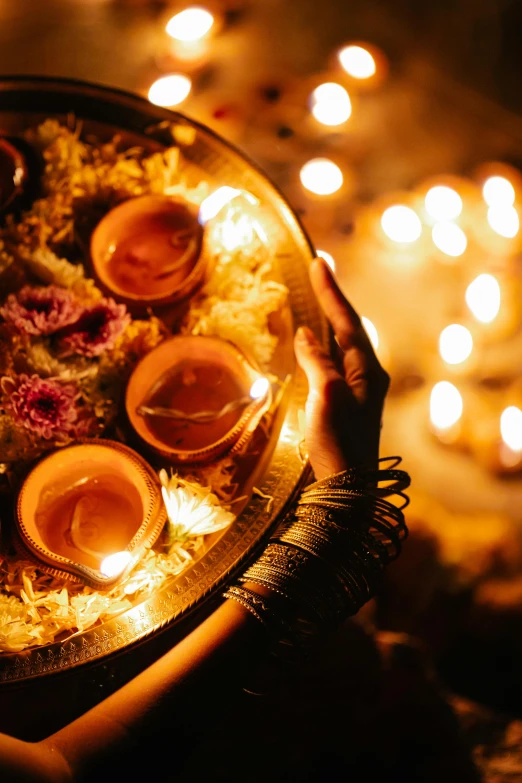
(115, 564)
(238, 228)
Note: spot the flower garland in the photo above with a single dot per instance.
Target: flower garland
(66, 352)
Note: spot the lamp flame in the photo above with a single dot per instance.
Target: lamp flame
(214, 203)
(116, 563)
(259, 388)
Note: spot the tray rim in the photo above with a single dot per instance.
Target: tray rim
(156, 612)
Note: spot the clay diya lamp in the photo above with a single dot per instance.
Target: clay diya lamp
(194, 398)
(13, 175)
(88, 512)
(149, 251)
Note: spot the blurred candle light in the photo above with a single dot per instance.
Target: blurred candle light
(330, 260)
(321, 176)
(170, 90)
(455, 344)
(483, 298)
(330, 104)
(443, 203)
(190, 25)
(504, 220)
(401, 224)
(498, 191)
(511, 434)
(357, 62)
(449, 238)
(446, 409)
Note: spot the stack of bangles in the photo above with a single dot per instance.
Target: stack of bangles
(325, 560)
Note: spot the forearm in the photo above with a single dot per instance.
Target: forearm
(174, 692)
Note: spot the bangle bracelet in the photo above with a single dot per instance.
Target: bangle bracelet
(325, 560)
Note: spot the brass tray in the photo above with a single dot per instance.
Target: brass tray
(25, 101)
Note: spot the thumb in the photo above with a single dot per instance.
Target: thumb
(327, 406)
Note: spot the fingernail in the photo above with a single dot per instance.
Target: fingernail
(305, 335)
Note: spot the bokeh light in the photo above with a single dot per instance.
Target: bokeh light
(504, 220)
(498, 191)
(357, 62)
(449, 239)
(330, 104)
(446, 405)
(511, 428)
(401, 224)
(483, 298)
(443, 203)
(170, 90)
(455, 343)
(192, 24)
(321, 176)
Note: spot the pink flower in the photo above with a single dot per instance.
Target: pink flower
(96, 330)
(46, 407)
(40, 311)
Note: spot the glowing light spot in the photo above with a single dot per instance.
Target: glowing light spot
(321, 176)
(498, 191)
(443, 203)
(259, 388)
(357, 62)
(330, 104)
(190, 25)
(504, 220)
(446, 405)
(511, 428)
(483, 298)
(214, 203)
(170, 90)
(330, 260)
(115, 564)
(449, 238)
(455, 344)
(371, 331)
(401, 224)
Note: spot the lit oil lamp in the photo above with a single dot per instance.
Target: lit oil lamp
(88, 512)
(194, 398)
(148, 251)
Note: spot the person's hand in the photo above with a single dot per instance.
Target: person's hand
(346, 391)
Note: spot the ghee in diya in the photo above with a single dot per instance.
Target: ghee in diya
(84, 503)
(148, 250)
(194, 398)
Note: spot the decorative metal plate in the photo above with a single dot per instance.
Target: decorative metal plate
(26, 101)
